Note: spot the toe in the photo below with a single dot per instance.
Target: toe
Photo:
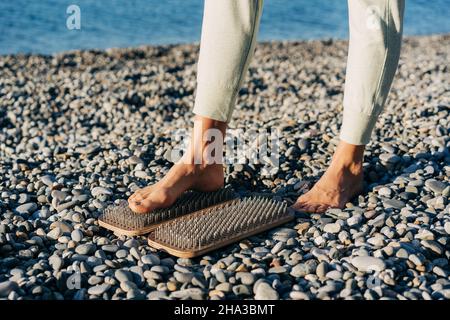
(130, 198)
(301, 201)
(143, 192)
(135, 200)
(144, 203)
(298, 205)
(137, 193)
(141, 205)
(310, 207)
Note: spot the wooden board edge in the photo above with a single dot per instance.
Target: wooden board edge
(195, 253)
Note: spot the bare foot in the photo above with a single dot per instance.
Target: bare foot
(181, 177)
(185, 175)
(342, 181)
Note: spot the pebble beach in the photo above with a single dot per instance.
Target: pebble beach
(81, 129)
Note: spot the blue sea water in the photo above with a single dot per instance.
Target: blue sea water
(39, 26)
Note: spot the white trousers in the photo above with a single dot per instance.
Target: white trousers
(229, 33)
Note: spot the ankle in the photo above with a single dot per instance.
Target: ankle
(206, 144)
(191, 167)
(348, 158)
(347, 164)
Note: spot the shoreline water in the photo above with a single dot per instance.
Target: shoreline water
(41, 27)
(197, 43)
(81, 129)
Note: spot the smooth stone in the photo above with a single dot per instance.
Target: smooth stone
(334, 274)
(298, 295)
(148, 274)
(191, 293)
(56, 262)
(436, 186)
(393, 203)
(85, 249)
(417, 259)
(439, 271)
(220, 276)
(447, 227)
(368, 263)
(42, 214)
(27, 208)
(122, 253)
(402, 253)
(160, 269)
(241, 290)
(322, 269)
(156, 295)
(76, 235)
(7, 287)
(48, 180)
(94, 280)
(265, 292)
(135, 253)
(385, 192)
(24, 198)
(183, 277)
(389, 158)
(82, 198)
(98, 191)
(246, 278)
(283, 234)
(302, 269)
(224, 287)
(63, 226)
(432, 246)
(332, 228)
(151, 259)
(67, 205)
(277, 247)
(131, 243)
(99, 289)
(123, 275)
(112, 248)
(279, 269)
(127, 286)
(354, 220)
(59, 195)
(54, 234)
(138, 274)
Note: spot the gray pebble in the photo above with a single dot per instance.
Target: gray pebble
(27, 208)
(367, 263)
(246, 278)
(123, 275)
(77, 235)
(99, 289)
(151, 259)
(85, 249)
(7, 287)
(98, 191)
(265, 292)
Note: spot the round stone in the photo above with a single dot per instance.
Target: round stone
(265, 292)
(368, 263)
(85, 249)
(99, 289)
(151, 259)
(77, 235)
(27, 208)
(332, 228)
(246, 278)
